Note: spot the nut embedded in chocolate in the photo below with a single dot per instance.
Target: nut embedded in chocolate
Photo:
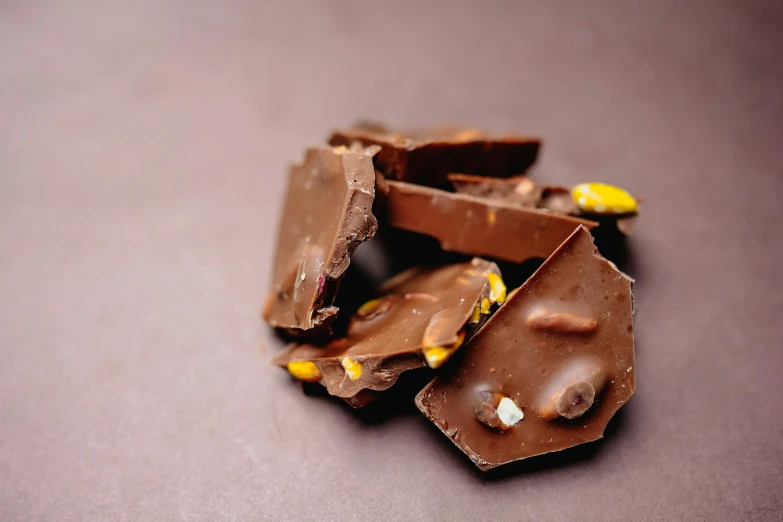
(422, 318)
(569, 377)
(560, 322)
(497, 411)
(575, 399)
(597, 201)
(573, 392)
(603, 199)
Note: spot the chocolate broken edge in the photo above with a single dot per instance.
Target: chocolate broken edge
(401, 189)
(428, 161)
(482, 464)
(403, 361)
(322, 310)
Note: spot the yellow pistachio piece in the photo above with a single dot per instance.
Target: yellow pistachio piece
(497, 290)
(437, 355)
(377, 307)
(367, 308)
(352, 368)
(304, 371)
(475, 317)
(485, 306)
(492, 216)
(600, 198)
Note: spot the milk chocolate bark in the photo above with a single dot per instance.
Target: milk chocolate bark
(421, 318)
(475, 225)
(524, 192)
(518, 190)
(327, 214)
(426, 156)
(548, 369)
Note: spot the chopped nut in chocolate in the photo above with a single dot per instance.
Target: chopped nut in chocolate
(560, 350)
(546, 372)
(603, 199)
(595, 201)
(327, 214)
(422, 317)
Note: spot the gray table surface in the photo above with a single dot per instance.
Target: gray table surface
(143, 147)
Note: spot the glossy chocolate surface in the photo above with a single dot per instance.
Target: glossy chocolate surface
(476, 225)
(326, 215)
(418, 311)
(142, 174)
(561, 348)
(426, 156)
(524, 192)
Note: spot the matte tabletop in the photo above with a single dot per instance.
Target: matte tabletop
(143, 151)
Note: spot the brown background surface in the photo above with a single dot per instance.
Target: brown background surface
(142, 152)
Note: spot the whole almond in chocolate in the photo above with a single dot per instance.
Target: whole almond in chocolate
(327, 214)
(476, 225)
(426, 156)
(421, 318)
(549, 369)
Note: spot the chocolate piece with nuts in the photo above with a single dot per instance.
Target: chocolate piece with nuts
(476, 225)
(426, 156)
(327, 214)
(549, 369)
(595, 201)
(421, 318)
(518, 190)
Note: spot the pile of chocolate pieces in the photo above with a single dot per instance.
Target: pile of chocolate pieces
(514, 373)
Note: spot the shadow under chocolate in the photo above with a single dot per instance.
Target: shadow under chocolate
(559, 459)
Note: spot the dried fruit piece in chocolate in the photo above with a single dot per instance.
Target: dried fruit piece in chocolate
(560, 349)
(326, 215)
(422, 317)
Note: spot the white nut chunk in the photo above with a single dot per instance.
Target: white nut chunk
(509, 412)
(498, 411)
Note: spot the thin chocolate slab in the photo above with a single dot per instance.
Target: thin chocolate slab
(421, 318)
(427, 156)
(327, 214)
(549, 369)
(477, 226)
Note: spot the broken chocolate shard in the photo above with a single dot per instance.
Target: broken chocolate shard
(567, 375)
(517, 190)
(475, 225)
(427, 156)
(326, 215)
(524, 192)
(421, 318)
